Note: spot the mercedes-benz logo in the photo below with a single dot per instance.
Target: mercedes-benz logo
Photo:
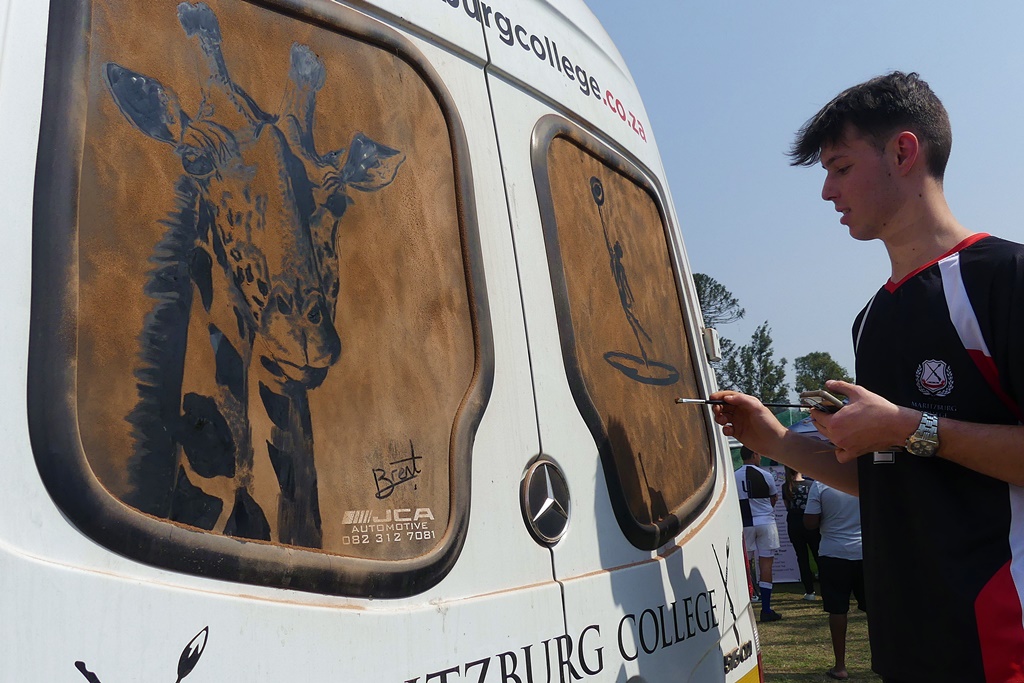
(545, 501)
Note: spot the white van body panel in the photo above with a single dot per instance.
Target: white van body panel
(553, 29)
(432, 20)
(22, 57)
(73, 609)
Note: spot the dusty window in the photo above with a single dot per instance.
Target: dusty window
(275, 317)
(624, 338)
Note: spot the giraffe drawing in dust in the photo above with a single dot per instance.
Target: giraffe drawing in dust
(246, 281)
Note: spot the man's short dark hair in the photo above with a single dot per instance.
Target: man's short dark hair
(877, 109)
(747, 454)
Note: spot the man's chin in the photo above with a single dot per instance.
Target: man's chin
(861, 233)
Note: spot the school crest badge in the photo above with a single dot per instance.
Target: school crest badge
(934, 378)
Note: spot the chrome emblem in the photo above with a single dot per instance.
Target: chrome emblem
(545, 502)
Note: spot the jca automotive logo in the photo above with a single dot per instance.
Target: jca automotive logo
(934, 378)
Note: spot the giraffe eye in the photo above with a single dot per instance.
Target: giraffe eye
(283, 305)
(196, 162)
(314, 315)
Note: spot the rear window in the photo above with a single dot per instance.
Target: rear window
(261, 349)
(625, 343)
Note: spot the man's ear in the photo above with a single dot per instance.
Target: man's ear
(907, 150)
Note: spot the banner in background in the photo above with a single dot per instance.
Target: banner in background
(785, 568)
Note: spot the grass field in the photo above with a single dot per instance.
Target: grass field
(798, 649)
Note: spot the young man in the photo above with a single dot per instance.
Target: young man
(931, 439)
(758, 494)
(840, 563)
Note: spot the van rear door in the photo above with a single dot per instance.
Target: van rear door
(647, 563)
(417, 522)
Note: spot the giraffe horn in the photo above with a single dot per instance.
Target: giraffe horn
(199, 21)
(306, 76)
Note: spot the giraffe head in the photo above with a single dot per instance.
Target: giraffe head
(266, 262)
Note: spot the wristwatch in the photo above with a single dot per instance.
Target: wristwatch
(925, 441)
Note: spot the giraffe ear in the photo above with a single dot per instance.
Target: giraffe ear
(370, 165)
(146, 103)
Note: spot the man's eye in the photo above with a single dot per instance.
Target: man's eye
(843, 170)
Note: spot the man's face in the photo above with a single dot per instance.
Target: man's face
(859, 181)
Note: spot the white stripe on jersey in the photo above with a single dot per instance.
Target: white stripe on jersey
(1017, 542)
(961, 313)
(960, 310)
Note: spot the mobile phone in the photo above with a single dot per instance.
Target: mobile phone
(819, 399)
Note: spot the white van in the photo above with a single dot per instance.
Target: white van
(342, 342)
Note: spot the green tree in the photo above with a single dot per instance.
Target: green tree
(752, 368)
(815, 368)
(722, 367)
(717, 304)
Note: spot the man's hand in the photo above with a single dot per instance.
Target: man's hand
(867, 423)
(744, 418)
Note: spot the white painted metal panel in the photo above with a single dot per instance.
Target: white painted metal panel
(436, 20)
(561, 52)
(122, 630)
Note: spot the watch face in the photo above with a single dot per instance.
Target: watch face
(922, 447)
(925, 441)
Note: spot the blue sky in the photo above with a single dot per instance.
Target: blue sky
(726, 86)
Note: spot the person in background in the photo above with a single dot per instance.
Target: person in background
(840, 562)
(804, 540)
(758, 495)
(936, 419)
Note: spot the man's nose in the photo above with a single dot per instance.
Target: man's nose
(828, 190)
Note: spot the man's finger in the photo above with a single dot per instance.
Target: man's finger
(840, 387)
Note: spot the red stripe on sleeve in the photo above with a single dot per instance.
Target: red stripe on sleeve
(1001, 629)
(988, 369)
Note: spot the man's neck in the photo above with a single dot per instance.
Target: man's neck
(928, 232)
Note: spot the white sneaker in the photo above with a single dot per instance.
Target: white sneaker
(810, 597)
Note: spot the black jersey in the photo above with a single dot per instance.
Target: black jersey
(944, 545)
